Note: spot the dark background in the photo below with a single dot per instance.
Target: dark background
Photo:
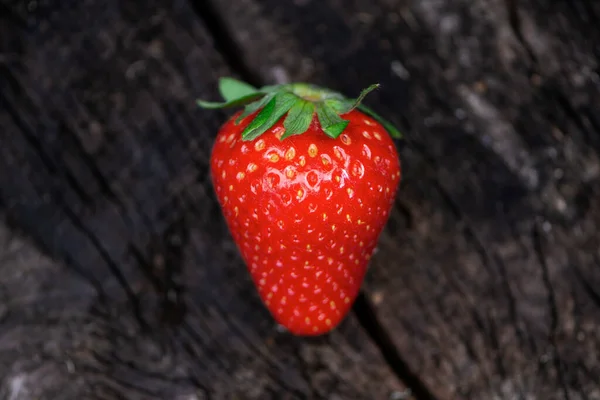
(119, 280)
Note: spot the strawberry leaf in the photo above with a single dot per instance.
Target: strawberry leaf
(261, 118)
(299, 118)
(343, 106)
(299, 100)
(255, 106)
(395, 133)
(269, 115)
(232, 103)
(232, 89)
(361, 96)
(340, 106)
(330, 121)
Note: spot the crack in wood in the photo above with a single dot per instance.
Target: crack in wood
(224, 41)
(365, 313)
(552, 305)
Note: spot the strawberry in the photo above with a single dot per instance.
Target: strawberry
(306, 179)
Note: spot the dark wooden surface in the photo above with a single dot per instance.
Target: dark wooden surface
(119, 280)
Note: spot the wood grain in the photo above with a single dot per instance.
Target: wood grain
(118, 279)
(485, 277)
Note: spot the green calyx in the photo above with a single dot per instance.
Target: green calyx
(300, 101)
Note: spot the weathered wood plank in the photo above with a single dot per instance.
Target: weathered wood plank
(124, 282)
(486, 275)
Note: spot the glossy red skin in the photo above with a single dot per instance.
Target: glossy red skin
(306, 213)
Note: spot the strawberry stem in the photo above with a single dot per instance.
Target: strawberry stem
(300, 101)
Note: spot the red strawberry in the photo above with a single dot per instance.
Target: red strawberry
(305, 197)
